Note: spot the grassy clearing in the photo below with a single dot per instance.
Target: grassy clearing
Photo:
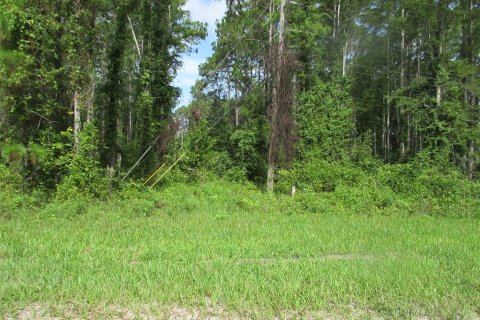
(229, 245)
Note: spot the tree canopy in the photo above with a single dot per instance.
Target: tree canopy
(90, 85)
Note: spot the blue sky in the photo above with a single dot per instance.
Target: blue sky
(208, 11)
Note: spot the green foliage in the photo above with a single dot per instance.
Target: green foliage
(14, 153)
(389, 189)
(319, 176)
(362, 153)
(12, 202)
(383, 214)
(114, 80)
(201, 159)
(246, 142)
(17, 154)
(52, 56)
(375, 82)
(426, 182)
(26, 161)
(58, 154)
(84, 174)
(37, 154)
(14, 198)
(307, 24)
(324, 120)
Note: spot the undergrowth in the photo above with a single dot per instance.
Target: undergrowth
(322, 188)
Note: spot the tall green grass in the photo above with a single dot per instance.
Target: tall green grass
(231, 245)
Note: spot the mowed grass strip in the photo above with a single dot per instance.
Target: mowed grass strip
(249, 256)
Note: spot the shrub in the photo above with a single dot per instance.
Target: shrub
(85, 175)
(14, 153)
(13, 199)
(36, 154)
(400, 178)
(416, 187)
(319, 176)
(247, 141)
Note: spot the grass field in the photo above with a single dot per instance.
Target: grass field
(231, 251)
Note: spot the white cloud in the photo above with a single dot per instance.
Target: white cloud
(208, 11)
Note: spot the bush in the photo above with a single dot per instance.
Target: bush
(415, 187)
(14, 153)
(13, 199)
(85, 175)
(10, 181)
(400, 178)
(11, 203)
(319, 176)
(247, 141)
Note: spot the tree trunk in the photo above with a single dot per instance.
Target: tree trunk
(402, 85)
(402, 52)
(387, 142)
(419, 44)
(134, 38)
(468, 96)
(384, 133)
(438, 98)
(77, 122)
(334, 29)
(471, 160)
(272, 150)
(440, 52)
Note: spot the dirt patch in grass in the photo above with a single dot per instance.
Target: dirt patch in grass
(38, 311)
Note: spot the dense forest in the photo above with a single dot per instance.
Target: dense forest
(291, 91)
(390, 81)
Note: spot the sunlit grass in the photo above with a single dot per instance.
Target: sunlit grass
(237, 247)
